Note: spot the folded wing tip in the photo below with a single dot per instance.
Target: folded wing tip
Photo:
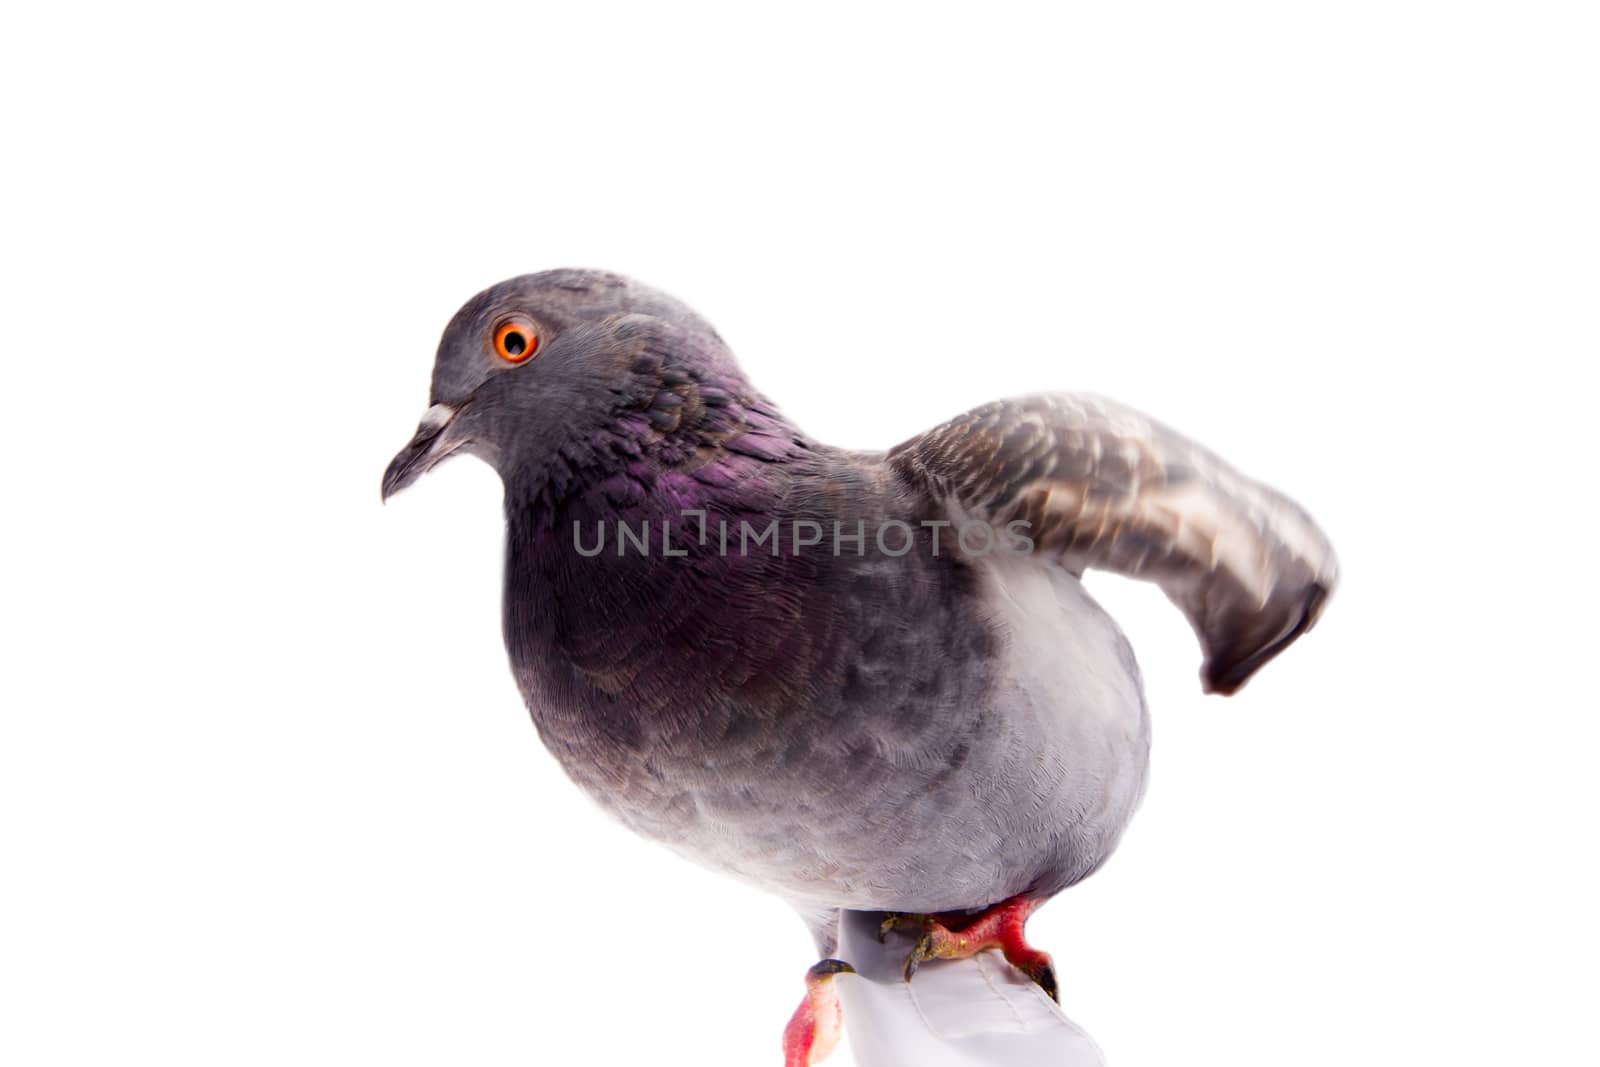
(1225, 673)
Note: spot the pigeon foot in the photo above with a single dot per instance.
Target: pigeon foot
(814, 1028)
(1000, 927)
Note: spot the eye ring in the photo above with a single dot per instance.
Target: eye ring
(516, 340)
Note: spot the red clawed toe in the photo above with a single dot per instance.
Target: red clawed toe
(1000, 927)
(814, 1028)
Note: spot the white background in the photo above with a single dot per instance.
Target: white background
(267, 793)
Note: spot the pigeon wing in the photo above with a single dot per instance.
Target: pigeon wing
(1101, 485)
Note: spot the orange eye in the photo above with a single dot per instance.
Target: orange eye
(515, 341)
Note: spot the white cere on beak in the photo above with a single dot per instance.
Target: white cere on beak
(436, 416)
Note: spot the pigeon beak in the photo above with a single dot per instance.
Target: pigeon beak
(422, 453)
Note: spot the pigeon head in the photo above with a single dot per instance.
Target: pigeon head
(545, 360)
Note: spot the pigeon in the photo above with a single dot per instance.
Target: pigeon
(866, 682)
